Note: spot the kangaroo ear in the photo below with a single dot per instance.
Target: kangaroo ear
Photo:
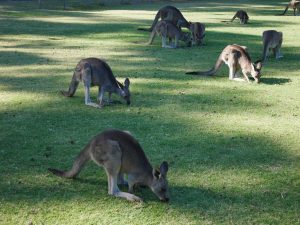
(127, 82)
(163, 169)
(258, 64)
(155, 173)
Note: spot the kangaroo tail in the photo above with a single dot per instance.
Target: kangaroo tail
(233, 18)
(155, 21)
(210, 72)
(152, 36)
(81, 159)
(72, 87)
(284, 12)
(265, 52)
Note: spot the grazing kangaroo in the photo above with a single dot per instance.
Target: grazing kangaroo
(272, 40)
(168, 30)
(237, 58)
(198, 33)
(120, 153)
(295, 5)
(169, 13)
(96, 72)
(242, 15)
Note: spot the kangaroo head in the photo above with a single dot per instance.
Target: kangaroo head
(159, 184)
(187, 39)
(256, 72)
(124, 91)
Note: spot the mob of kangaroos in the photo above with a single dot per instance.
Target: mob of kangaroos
(96, 72)
(120, 153)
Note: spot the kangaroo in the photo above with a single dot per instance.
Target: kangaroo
(120, 153)
(96, 72)
(169, 13)
(242, 15)
(295, 5)
(166, 30)
(237, 58)
(198, 33)
(272, 40)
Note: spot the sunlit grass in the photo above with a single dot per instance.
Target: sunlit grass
(233, 147)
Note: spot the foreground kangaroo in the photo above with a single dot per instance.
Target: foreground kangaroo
(272, 40)
(198, 33)
(96, 72)
(120, 153)
(295, 5)
(168, 30)
(169, 13)
(237, 58)
(242, 15)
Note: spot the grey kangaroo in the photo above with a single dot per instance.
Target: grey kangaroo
(168, 30)
(96, 72)
(272, 40)
(198, 33)
(242, 15)
(169, 13)
(237, 58)
(295, 5)
(120, 153)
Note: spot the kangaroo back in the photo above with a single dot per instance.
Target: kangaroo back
(157, 16)
(210, 72)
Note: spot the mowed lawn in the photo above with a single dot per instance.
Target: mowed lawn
(233, 147)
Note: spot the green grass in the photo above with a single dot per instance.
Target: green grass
(233, 148)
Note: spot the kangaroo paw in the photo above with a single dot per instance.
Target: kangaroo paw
(94, 105)
(128, 196)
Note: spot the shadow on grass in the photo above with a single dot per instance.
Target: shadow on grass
(277, 81)
(15, 58)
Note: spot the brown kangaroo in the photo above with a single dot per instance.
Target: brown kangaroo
(96, 72)
(168, 30)
(169, 13)
(120, 153)
(237, 58)
(295, 5)
(242, 15)
(272, 40)
(198, 33)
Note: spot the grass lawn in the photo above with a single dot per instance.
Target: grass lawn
(233, 147)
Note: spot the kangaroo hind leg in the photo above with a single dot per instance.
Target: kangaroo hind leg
(112, 165)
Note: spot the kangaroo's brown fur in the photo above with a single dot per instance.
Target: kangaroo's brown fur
(96, 72)
(272, 40)
(242, 15)
(120, 153)
(171, 14)
(198, 33)
(168, 30)
(295, 5)
(237, 58)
